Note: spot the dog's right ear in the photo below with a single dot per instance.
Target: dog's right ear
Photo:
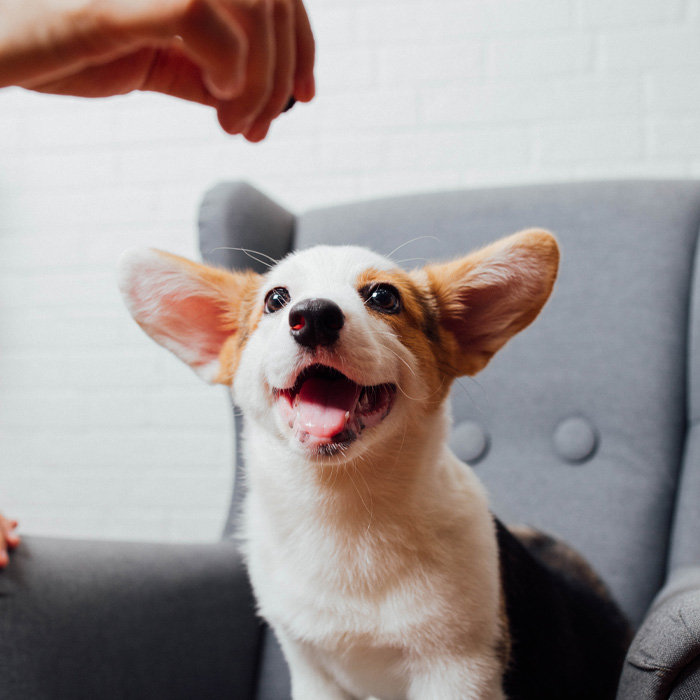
(195, 311)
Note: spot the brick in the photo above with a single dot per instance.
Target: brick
(178, 491)
(334, 26)
(53, 122)
(457, 149)
(67, 330)
(661, 48)
(579, 142)
(50, 288)
(195, 526)
(629, 13)
(72, 410)
(359, 152)
(676, 138)
(673, 93)
(402, 182)
(396, 23)
(313, 191)
(11, 140)
(533, 101)
(541, 56)
(62, 521)
(148, 118)
(98, 369)
(445, 62)
(334, 73)
(369, 110)
(518, 16)
(120, 449)
(75, 207)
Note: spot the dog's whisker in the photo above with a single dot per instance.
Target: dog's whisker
(251, 254)
(407, 260)
(464, 388)
(413, 240)
(399, 451)
(362, 500)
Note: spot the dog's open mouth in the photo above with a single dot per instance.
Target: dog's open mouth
(326, 408)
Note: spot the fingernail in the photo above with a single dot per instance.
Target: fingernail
(306, 89)
(257, 132)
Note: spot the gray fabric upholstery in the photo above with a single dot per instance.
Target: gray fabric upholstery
(664, 659)
(609, 350)
(685, 550)
(86, 620)
(584, 425)
(687, 686)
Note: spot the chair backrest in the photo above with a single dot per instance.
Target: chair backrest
(579, 424)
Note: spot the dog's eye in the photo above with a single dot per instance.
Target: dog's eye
(276, 299)
(384, 298)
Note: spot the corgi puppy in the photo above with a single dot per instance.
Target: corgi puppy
(371, 549)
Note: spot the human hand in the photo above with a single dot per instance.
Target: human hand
(8, 539)
(245, 58)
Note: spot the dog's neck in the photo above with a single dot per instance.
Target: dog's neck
(395, 474)
(351, 525)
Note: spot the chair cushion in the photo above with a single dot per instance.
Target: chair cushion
(580, 420)
(663, 660)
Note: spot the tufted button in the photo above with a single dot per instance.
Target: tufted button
(469, 441)
(575, 439)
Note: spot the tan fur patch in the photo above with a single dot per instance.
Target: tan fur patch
(417, 325)
(492, 294)
(243, 314)
(232, 296)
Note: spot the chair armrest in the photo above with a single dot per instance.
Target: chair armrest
(664, 658)
(82, 619)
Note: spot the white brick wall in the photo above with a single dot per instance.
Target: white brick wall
(102, 434)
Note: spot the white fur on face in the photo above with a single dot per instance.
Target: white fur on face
(368, 351)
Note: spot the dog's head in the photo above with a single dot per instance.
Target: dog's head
(336, 347)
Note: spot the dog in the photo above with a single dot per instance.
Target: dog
(371, 549)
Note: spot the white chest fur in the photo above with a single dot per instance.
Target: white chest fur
(367, 591)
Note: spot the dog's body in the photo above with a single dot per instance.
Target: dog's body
(371, 548)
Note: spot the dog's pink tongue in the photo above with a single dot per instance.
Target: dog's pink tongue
(323, 405)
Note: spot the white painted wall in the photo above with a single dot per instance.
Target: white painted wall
(102, 434)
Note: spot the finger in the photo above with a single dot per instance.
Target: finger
(304, 82)
(13, 538)
(7, 534)
(257, 21)
(218, 45)
(7, 539)
(284, 70)
(172, 72)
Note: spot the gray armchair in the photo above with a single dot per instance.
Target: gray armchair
(585, 425)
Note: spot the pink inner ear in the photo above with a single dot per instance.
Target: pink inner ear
(192, 327)
(484, 315)
(199, 320)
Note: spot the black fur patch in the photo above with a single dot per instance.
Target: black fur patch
(568, 639)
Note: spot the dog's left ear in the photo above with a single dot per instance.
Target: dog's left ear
(487, 297)
(195, 311)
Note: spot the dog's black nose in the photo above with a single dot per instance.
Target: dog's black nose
(314, 322)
